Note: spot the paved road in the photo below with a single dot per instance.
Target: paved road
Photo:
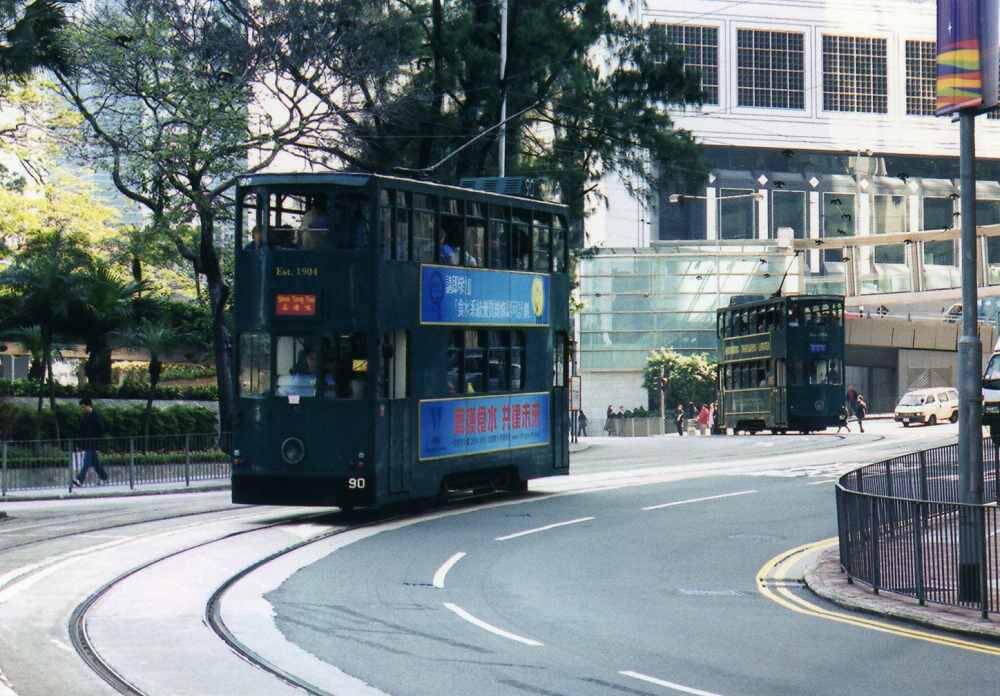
(644, 589)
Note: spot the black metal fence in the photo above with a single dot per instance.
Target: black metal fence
(132, 461)
(902, 529)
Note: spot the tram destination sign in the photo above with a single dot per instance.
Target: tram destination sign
(294, 305)
(472, 296)
(747, 347)
(479, 424)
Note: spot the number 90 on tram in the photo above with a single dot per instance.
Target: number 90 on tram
(781, 364)
(396, 339)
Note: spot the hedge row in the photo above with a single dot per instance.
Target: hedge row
(25, 458)
(129, 390)
(139, 372)
(22, 422)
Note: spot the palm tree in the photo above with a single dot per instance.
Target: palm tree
(107, 305)
(44, 277)
(31, 37)
(157, 338)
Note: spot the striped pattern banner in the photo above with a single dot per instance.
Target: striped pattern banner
(959, 59)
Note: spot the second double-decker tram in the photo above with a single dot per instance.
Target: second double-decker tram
(781, 364)
(396, 339)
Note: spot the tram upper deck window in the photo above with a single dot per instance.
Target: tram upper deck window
(475, 234)
(521, 241)
(451, 233)
(423, 228)
(499, 242)
(558, 244)
(251, 231)
(541, 240)
(316, 219)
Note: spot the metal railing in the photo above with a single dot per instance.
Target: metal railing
(133, 461)
(903, 530)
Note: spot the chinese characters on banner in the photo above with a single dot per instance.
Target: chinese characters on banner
(454, 427)
(470, 297)
(286, 305)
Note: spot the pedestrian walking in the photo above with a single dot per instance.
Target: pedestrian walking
(842, 418)
(620, 421)
(679, 419)
(861, 410)
(609, 421)
(703, 417)
(711, 418)
(91, 431)
(581, 425)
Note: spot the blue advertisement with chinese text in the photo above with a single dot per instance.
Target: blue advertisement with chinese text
(472, 296)
(474, 425)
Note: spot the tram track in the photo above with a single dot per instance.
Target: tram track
(89, 653)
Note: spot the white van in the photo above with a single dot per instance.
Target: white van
(991, 392)
(930, 406)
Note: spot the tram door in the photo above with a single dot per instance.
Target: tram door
(560, 403)
(780, 393)
(395, 433)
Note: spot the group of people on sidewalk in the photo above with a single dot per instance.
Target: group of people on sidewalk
(702, 416)
(856, 406)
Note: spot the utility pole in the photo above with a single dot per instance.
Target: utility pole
(970, 360)
(502, 157)
(663, 395)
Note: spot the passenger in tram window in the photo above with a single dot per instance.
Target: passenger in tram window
(282, 237)
(315, 225)
(352, 223)
(446, 253)
(833, 376)
(256, 240)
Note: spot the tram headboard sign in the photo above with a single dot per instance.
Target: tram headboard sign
(294, 305)
(473, 296)
(478, 424)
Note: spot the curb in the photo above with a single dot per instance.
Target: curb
(109, 494)
(579, 447)
(825, 579)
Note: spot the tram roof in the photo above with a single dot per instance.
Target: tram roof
(360, 179)
(783, 298)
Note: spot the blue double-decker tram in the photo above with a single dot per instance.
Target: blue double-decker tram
(396, 339)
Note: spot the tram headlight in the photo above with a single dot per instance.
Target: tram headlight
(819, 405)
(292, 450)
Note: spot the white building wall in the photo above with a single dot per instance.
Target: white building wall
(601, 389)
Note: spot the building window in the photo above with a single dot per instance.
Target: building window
(854, 74)
(700, 46)
(921, 77)
(788, 210)
(769, 69)
(889, 214)
(737, 214)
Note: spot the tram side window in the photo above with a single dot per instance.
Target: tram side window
(423, 228)
(401, 241)
(297, 366)
(450, 234)
(499, 244)
(521, 241)
(386, 199)
(345, 366)
(516, 360)
(251, 231)
(474, 360)
(475, 237)
(497, 360)
(558, 244)
(455, 341)
(541, 239)
(559, 360)
(255, 364)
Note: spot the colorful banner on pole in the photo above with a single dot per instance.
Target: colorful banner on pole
(967, 68)
(475, 297)
(479, 424)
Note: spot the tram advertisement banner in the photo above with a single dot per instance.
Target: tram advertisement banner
(472, 296)
(747, 347)
(479, 424)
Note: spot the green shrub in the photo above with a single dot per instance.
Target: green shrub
(24, 423)
(129, 390)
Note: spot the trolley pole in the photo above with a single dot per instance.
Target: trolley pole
(970, 360)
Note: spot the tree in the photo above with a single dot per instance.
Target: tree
(167, 90)
(689, 378)
(156, 338)
(106, 300)
(32, 37)
(45, 278)
(599, 84)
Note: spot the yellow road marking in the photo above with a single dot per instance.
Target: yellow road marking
(776, 570)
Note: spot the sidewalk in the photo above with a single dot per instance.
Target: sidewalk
(824, 577)
(93, 490)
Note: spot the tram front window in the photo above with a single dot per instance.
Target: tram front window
(335, 365)
(821, 371)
